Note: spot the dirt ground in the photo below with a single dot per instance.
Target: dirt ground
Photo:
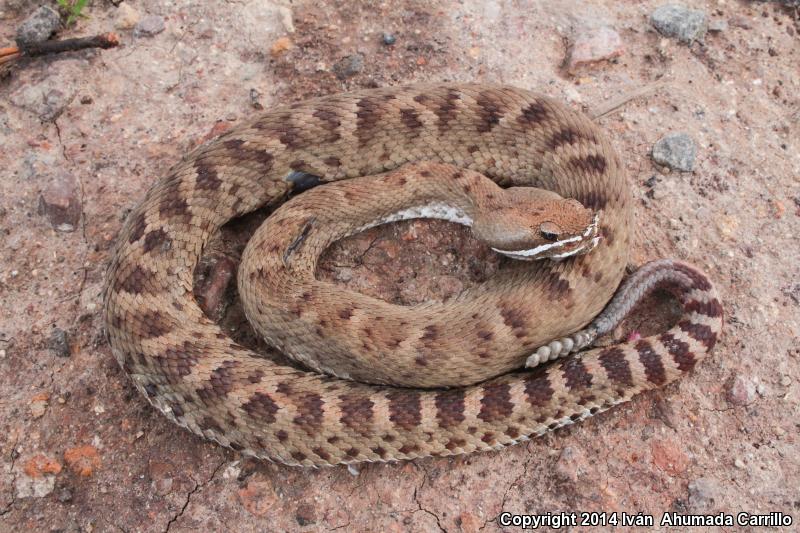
(81, 450)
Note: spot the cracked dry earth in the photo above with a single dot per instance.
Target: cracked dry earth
(82, 451)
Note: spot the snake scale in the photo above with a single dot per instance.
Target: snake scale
(198, 377)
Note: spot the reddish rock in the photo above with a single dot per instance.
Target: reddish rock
(280, 46)
(39, 465)
(668, 456)
(469, 522)
(161, 477)
(60, 203)
(258, 497)
(38, 404)
(594, 45)
(83, 460)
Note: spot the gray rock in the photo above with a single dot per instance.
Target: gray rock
(49, 97)
(718, 25)
(38, 27)
(149, 26)
(64, 495)
(676, 151)
(60, 203)
(703, 495)
(388, 39)
(59, 343)
(349, 66)
(676, 20)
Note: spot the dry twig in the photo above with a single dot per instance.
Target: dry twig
(104, 40)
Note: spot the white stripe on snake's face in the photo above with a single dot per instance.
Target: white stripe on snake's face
(438, 210)
(443, 211)
(550, 250)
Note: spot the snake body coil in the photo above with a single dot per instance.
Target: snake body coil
(197, 376)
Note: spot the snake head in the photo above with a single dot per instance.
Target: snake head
(537, 225)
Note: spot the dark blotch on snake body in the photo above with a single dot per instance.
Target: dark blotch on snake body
(449, 407)
(138, 281)
(594, 163)
(356, 411)
(157, 239)
(153, 324)
(711, 308)
(207, 177)
(616, 366)
(410, 119)
(651, 361)
(310, 410)
(405, 409)
(138, 227)
(330, 122)
(490, 111)
(679, 351)
(533, 115)
(699, 332)
(567, 136)
(538, 389)
(575, 374)
(496, 402)
(262, 407)
(220, 382)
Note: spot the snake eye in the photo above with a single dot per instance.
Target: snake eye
(549, 231)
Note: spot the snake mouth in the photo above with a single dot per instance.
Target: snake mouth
(561, 249)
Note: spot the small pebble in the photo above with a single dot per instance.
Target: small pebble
(255, 99)
(38, 27)
(59, 343)
(676, 151)
(738, 463)
(126, 17)
(676, 20)
(38, 405)
(349, 66)
(741, 391)
(60, 203)
(594, 45)
(717, 26)
(149, 26)
(388, 39)
(280, 46)
(286, 18)
(703, 493)
(64, 496)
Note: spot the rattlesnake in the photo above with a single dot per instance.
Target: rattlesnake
(202, 380)
(435, 344)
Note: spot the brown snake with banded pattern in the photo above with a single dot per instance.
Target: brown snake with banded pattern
(196, 375)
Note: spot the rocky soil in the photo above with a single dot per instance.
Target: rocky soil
(84, 135)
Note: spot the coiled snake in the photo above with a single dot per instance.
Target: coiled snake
(202, 380)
